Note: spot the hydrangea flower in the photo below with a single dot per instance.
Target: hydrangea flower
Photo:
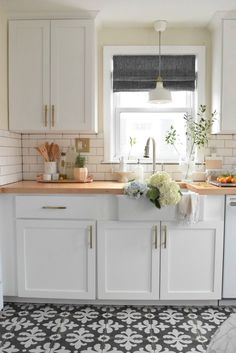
(169, 193)
(159, 178)
(135, 189)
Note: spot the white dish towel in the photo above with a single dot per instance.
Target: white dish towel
(188, 208)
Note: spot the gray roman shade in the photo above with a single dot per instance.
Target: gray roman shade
(139, 72)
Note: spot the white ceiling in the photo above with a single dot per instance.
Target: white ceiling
(131, 12)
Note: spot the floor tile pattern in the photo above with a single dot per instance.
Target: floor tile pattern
(49, 328)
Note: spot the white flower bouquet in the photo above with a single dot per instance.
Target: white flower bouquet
(160, 189)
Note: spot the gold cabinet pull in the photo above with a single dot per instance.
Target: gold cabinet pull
(155, 236)
(53, 115)
(90, 237)
(46, 115)
(165, 236)
(54, 207)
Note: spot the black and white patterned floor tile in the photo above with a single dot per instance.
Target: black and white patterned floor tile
(49, 328)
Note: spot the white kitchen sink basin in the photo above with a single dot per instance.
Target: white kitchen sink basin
(143, 210)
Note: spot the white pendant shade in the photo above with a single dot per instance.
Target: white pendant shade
(159, 94)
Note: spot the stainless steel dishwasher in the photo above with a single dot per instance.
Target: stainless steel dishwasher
(229, 280)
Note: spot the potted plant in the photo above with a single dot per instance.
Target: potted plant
(80, 171)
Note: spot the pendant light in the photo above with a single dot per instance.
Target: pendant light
(160, 94)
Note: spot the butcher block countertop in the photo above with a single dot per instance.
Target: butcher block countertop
(33, 187)
(101, 187)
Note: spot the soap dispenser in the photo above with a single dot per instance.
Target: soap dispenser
(139, 172)
(122, 166)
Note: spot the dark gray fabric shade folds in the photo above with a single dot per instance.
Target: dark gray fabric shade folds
(139, 72)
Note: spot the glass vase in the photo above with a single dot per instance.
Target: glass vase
(187, 167)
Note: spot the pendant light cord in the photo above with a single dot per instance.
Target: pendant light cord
(159, 66)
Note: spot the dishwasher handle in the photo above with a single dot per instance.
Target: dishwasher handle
(232, 203)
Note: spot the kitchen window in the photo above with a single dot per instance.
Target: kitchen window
(129, 117)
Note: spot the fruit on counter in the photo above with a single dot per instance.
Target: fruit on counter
(224, 179)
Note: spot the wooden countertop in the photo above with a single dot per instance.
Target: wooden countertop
(33, 187)
(101, 187)
(203, 188)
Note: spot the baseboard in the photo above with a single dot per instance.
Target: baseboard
(227, 302)
(115, 302)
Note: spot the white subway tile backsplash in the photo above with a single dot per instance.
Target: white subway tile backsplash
(30, 159)
(10, 169)
(224, 137)
(92, 168)
(10, 142)
(104, 168)
(10, 151)
(230, 143)
(11, 178)
(29, 176)
(99, 176)
(38, 168)
(63, 142)
(10, 157)
(96, 142)
(38, 136)
(230, 160)
(100, 151)
(224, 152)
(110, 176)
(94, 159)
(217, 143)
(222, 145)
(5, 133)
(11, 160)
(28, 143)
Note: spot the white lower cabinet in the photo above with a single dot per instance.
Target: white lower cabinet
(56, 258)
(55, 254)
(191, 261)
(132, 254)
(128, 260)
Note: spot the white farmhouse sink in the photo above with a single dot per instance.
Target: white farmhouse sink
(143, 210)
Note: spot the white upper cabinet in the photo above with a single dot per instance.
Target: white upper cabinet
(51, 75)
(29, 80)
(224, 75)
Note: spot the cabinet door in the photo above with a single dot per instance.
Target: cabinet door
(128, 260)
(191, 260)
(29, 65)
(72, 75)
(56, 259)
(228, 113)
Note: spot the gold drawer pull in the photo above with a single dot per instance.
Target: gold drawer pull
(54, 207)
(90, 237)
(53, 115)
(155, 237)
(165, 236)
(46, 115)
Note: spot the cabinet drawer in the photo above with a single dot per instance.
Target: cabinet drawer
(58, 207)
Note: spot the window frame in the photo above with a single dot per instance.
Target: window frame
(110, 120)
